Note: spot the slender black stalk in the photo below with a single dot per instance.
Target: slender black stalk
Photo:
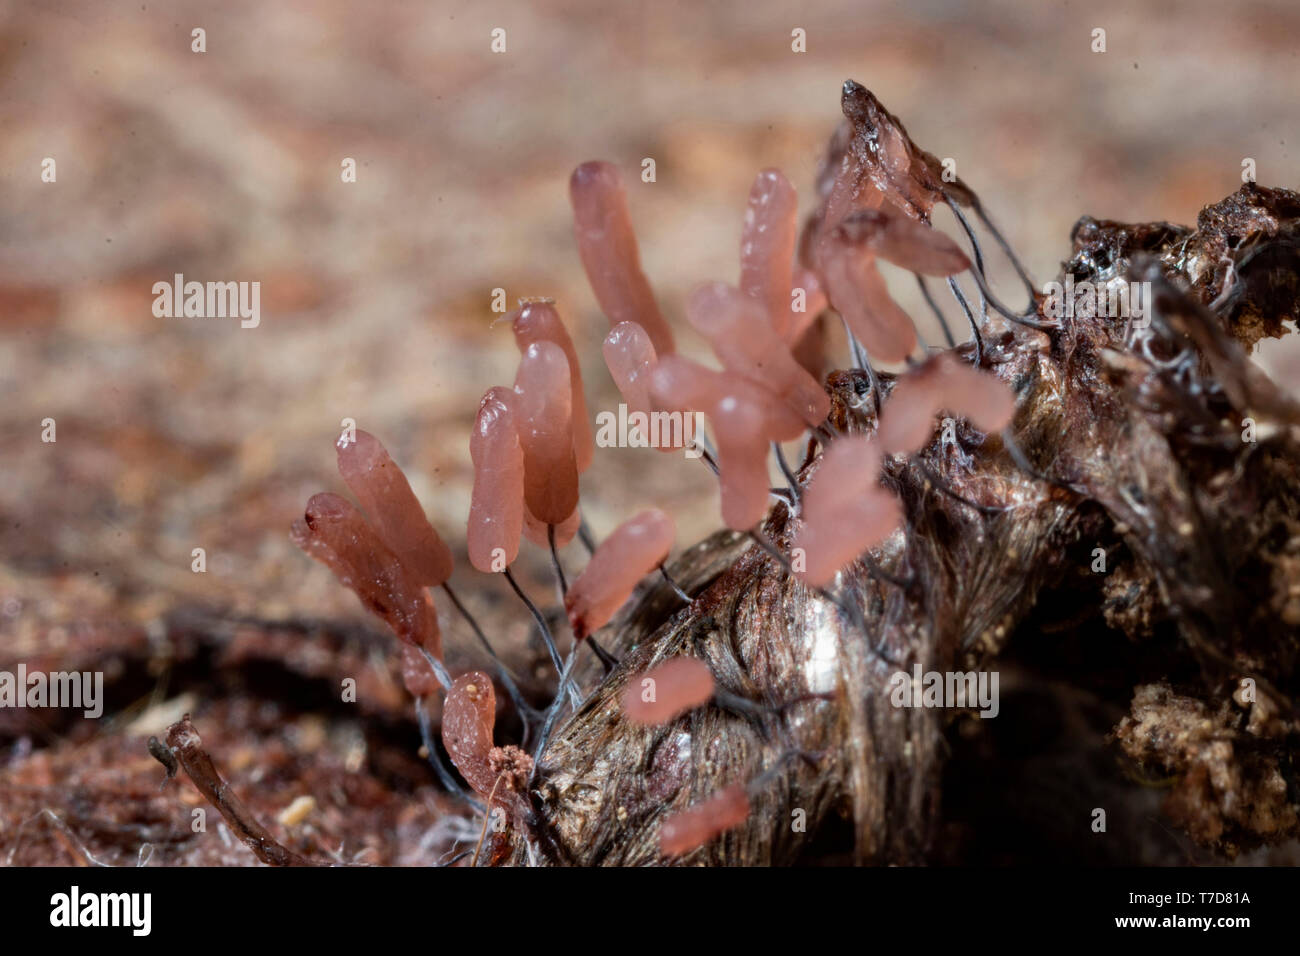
(1006, 248)
(541, 621)
(674, 585)
(790, 478)
(555, 563)
(439, 671)
(526, 713)
(974, 326)
(938, 313)
(553, 712)
(978, 271)
(863, 361)
(586, 537)
(606, 658)
(708, 459)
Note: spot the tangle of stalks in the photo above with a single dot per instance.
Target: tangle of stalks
(738, 709)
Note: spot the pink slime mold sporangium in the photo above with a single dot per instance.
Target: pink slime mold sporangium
(668, 690)
(844, 512)
(747, 344)
(468, 718)
(607, 245)
(943, 383)
(633, 550)
(858, 292)
(682, 832)
(679, 383)
(496, 507)
(540, 322)
(743, 480)
(745, 419)
(546, 433)
(767, 244)
(629, 356)
(889, 233)
(335, 533)
(394, 511)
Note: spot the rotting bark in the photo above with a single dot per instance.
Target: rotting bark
(1135, 436)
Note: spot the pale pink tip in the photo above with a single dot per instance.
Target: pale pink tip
(667, 690)
(825, 546)
(767, 246)
(540, 322)
(944, 383)
(845, 511)
(747, 345)
(630, 355)
(633, 550)
(890, 234)
(536, 531)
(468, 718)
(980, 396)
(859, 293)
(496, 508)
(607, 245)
(386, 497)
(684, 831)
(333, 532)
(546, 432)
(743, 479)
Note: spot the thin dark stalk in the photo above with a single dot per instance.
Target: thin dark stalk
(555, 563)
(503, 672)
(789, 474)
(606, 658)
(938, 313)
(439, 671)
(974, 326)
(586, 537)
(1006, 248)
(541, 621)
(553, 712)
(978, 271)
(863, 361)
(708, 460)
(674, 585)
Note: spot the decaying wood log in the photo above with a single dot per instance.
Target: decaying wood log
(1159, 441)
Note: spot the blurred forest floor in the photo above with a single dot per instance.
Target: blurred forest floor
(175, 434)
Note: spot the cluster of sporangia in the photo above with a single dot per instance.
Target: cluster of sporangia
(531, 442)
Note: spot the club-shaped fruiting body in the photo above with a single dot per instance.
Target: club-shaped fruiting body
(668, 690)
(496, 509)
(844, 511)
(695, 826)
(942, 383)
(540, 322)
(767, 245)
(745, 343)
(468, 718)
(607, 245)
(633, 550)
(394, 512)
(335, 533)
(545, 424)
